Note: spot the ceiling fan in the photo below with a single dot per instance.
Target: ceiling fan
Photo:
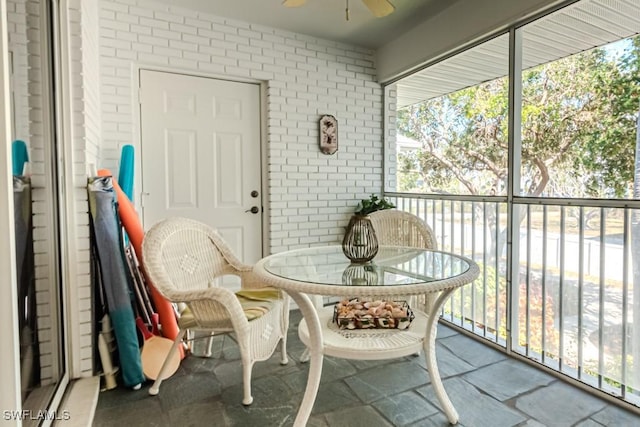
(379, 8)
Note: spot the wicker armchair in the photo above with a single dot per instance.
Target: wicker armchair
(183, 258)
(400, 228)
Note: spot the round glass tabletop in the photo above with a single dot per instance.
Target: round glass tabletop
(392, 266)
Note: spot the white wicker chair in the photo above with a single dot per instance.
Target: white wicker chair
(183, 258)
(400, 228)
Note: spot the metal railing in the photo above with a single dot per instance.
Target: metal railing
(569, 301)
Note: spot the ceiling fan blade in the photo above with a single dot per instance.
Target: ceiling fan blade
(379, 8)
(293, 3)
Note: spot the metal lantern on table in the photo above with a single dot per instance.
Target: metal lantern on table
(360, 243)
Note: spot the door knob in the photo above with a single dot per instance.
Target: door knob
(254, 193)
(253, 210)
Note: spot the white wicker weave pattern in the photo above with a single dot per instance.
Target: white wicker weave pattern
(400, 228)
(183, 258)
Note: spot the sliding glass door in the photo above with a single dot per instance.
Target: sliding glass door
(34, 152)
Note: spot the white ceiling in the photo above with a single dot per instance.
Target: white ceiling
(325, 18)
(576, 28)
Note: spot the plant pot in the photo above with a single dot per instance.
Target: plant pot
(360, 244)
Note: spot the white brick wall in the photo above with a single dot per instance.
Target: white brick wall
(17, 30)
(85, 122)
(91, 75)
(311, 195)
(390, 153)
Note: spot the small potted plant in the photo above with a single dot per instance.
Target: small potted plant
(372, 204)
(360, 244)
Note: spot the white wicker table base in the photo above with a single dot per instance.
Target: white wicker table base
(367, 344)
(320, 271)
(322, 336)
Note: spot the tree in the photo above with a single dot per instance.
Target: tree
(572, 110)
(580, 137)
(577, 135)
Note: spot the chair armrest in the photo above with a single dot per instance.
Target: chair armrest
(250, 280)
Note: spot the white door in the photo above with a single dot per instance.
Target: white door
(200, 155)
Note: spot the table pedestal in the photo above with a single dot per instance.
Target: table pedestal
(321, 336)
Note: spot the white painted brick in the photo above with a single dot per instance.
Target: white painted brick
(170, 17)
(183, 29)
(153, 23)
(211, 33)
(183, 46)
(245, 64)
(167, 52)
(195, 39)
(183, 63)
(261, 43)
(306, 78)
(125, 17)
(118, 7)
(212, 50)
(107, 14)
(139, 11)
(211, 67)
(197, 23)
(116, 25)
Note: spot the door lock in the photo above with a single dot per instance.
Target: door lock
(254, 193)
(253, 210)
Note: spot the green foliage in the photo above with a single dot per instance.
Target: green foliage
(372, 204)
(490, 297)
(577, 134)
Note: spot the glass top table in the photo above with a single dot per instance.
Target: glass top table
(395, 272)
(392, 266)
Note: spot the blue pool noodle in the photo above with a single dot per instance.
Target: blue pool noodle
(125, 176)
(20, 156)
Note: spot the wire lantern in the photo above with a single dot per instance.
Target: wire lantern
(360, 243)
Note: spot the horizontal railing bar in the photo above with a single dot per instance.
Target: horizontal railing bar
(595, 203)
(464, 197)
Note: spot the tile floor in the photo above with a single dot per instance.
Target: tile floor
(488, 389)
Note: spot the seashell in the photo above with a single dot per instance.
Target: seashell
(398, 312)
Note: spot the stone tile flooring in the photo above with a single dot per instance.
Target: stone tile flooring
(488, 389)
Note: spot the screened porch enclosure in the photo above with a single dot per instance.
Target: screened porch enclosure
(520, 153)
(573, 290)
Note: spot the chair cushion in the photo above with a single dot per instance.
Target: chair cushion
(186, 319)
(254, 302)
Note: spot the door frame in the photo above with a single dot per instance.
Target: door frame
(137, 133)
